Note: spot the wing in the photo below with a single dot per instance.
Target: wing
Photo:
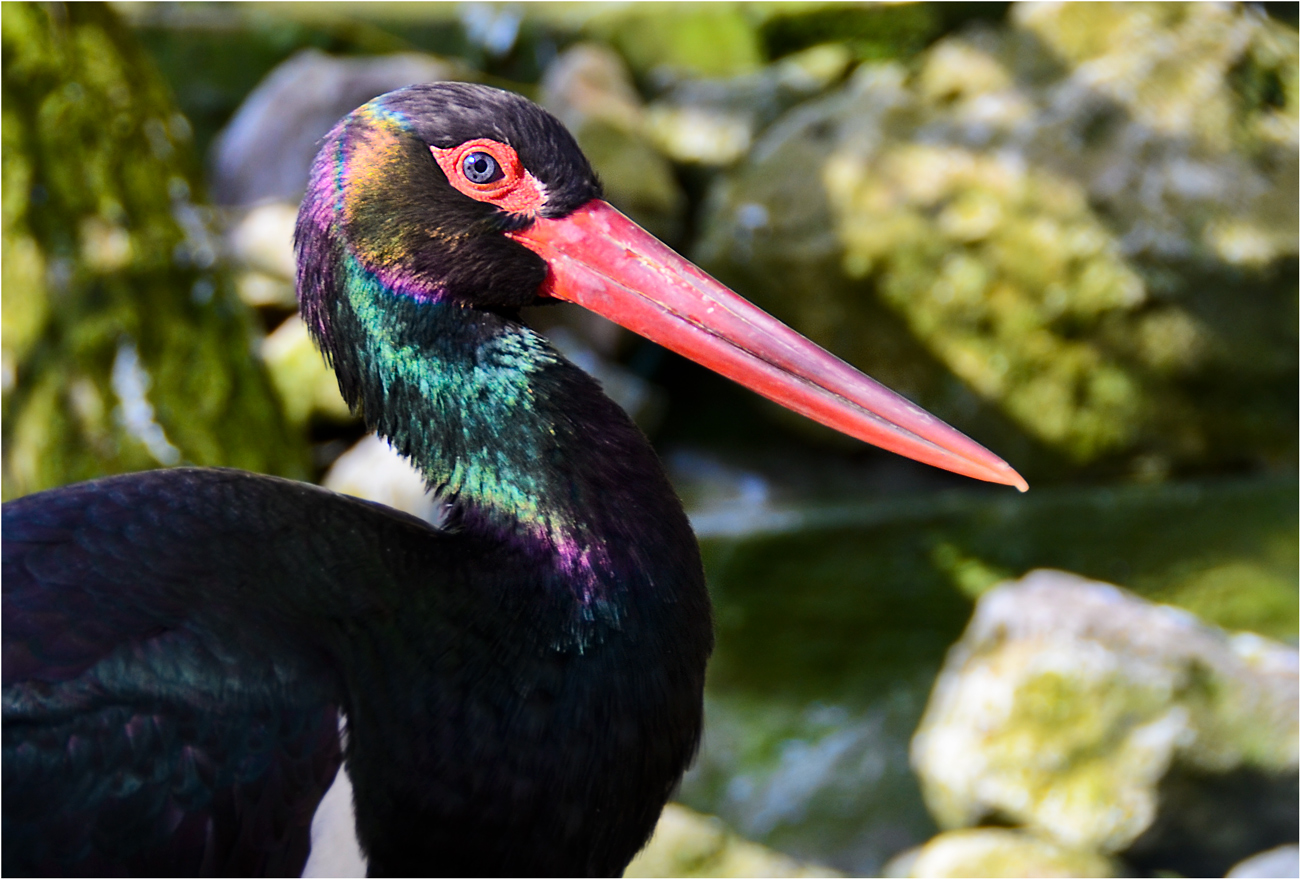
(168, 707)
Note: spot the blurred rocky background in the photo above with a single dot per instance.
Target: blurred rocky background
(1068, 229)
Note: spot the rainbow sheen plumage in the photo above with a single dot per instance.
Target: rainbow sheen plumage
(522, 688)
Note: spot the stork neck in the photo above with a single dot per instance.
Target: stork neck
(523, 444)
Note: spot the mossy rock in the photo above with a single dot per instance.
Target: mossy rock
(681, 39)
(871, 31)
(124, 345)
(997, 851)
(686, 843)
(1112, 724)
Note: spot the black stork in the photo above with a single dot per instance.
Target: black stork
(521, 687)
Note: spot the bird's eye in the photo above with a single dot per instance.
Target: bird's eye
(480, 168)
(489, 170)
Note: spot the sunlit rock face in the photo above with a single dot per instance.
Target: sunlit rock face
(995, 851)
(1083, 228)
(124, 345)
(372, 469)
(686, 843)
(1111, 724)
(713, 122)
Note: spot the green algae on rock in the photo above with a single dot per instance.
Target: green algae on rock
(1067, 702)
(680, 39)
(686, 843)
(1017, 255)
(305, 383)
(124, 347)
(996, 851)
(713, 122)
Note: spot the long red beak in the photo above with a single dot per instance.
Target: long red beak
(606, 263)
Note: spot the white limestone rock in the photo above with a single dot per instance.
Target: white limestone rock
(1283, 861)
(996, 851)
(374, 471)
(1067, 700)
(686, 843)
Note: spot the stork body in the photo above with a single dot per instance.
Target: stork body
(522, 687)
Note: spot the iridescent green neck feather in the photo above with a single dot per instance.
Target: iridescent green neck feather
(522, 443)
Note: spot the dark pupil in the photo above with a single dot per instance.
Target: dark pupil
(481, 168)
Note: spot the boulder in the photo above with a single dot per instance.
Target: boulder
(1113, 724)
(714, 122)
(996, 851)
(663, 43)
(1283, 861)
(372, 469)
(686, 843)
(305, 383)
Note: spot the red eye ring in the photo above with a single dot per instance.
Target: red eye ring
(515, 190)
